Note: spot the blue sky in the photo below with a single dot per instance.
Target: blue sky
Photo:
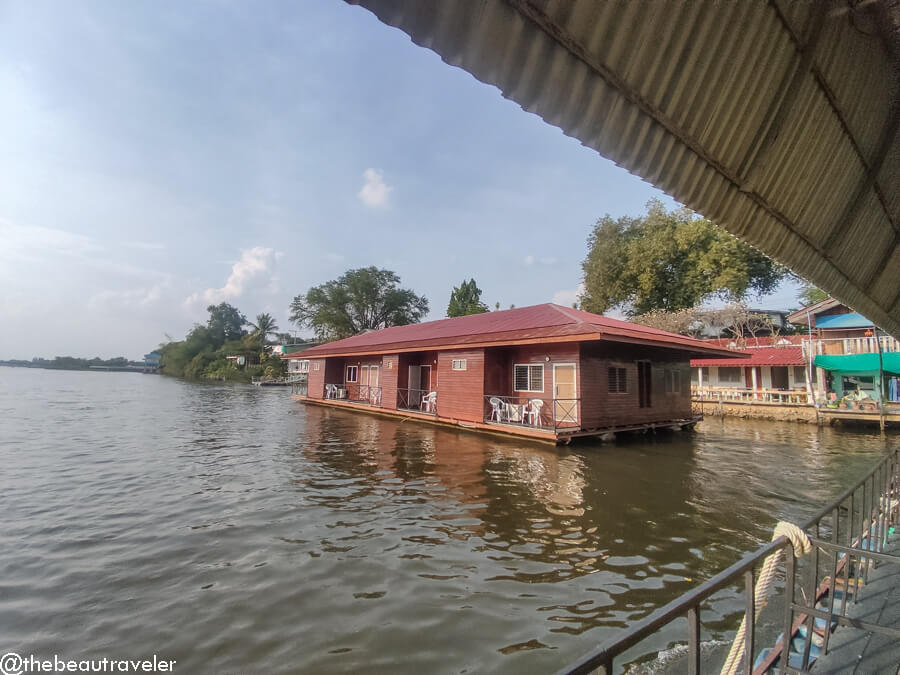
(161, 156)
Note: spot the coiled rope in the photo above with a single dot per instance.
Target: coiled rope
(802, 546)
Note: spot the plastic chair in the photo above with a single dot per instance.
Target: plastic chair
(429, 402)
(533, 412)
(496, 409)
(330, 391)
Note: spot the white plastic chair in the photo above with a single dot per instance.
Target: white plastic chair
(429, 402)
(330, 391)
(496, 409)
(533, 412)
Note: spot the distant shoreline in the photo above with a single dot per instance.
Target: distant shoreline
(90, 369)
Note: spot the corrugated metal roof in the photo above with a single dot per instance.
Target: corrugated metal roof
(777, 120)
(851, 320)
(524, 324)
(762, 356)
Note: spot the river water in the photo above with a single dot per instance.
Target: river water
(233, 529)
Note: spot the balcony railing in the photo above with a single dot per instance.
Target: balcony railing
(740, 395)
(419, 400)
(846, 536)
(300, 387)
(363, 393)
(530, 411)
(852, 345)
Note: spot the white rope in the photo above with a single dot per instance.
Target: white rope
(802, 546)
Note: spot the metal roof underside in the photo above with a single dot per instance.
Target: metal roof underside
(777, 120)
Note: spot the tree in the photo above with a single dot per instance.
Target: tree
(265, 325)
(669, 261)
(225, 323)
(810, 295)
(362, 299)
(466, 299)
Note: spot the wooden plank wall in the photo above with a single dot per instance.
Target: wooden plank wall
(461, 392)
(390, 371)
(316, 381)
(602, 409)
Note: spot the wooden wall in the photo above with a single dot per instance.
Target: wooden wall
(316, 381)
(390, 371)
(461, 392)
(600, 408)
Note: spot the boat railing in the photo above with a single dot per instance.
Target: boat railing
(419, 400)
(531, 411)
(744, 395)
(847, 536)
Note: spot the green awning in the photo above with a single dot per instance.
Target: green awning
(859, 363)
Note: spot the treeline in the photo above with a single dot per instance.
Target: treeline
(74, 363)
(228, 347)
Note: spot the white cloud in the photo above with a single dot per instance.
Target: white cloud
(546, 260)
(529, 260)
(567, 297)
(255, 264)
(130, 298)
(374, 191)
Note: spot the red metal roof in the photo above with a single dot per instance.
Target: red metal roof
(521, 325)
(761, 356)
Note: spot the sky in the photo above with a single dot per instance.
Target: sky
(159, 157)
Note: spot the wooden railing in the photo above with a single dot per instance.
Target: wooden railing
(741, 395)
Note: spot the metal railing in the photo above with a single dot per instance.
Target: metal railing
(363, 393)
(300, 388)
(742, 395)
(847, 536)
(419, 400)
(531, 411)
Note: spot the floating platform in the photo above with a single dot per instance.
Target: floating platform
(558, 436)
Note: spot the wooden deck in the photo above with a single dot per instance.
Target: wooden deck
(542, 434)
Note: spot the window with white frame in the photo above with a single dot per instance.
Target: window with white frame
(352, 372)
(316, 366)
(673, 381)
(529, 377)
(617, 382)
(303, 367)
(458, 364)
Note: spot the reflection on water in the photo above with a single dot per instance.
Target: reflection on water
(230, 528)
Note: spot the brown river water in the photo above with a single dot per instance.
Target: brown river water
(234, 530)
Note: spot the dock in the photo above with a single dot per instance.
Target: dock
(852, 650)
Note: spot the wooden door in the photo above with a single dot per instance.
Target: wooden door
(565, 405)
(645, 387)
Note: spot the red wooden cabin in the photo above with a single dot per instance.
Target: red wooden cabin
(546, 371)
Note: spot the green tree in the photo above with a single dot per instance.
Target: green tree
(669, 261)
(225, 323)
(362, 299)
(264, 326)
(810, 295)
(466, 299)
